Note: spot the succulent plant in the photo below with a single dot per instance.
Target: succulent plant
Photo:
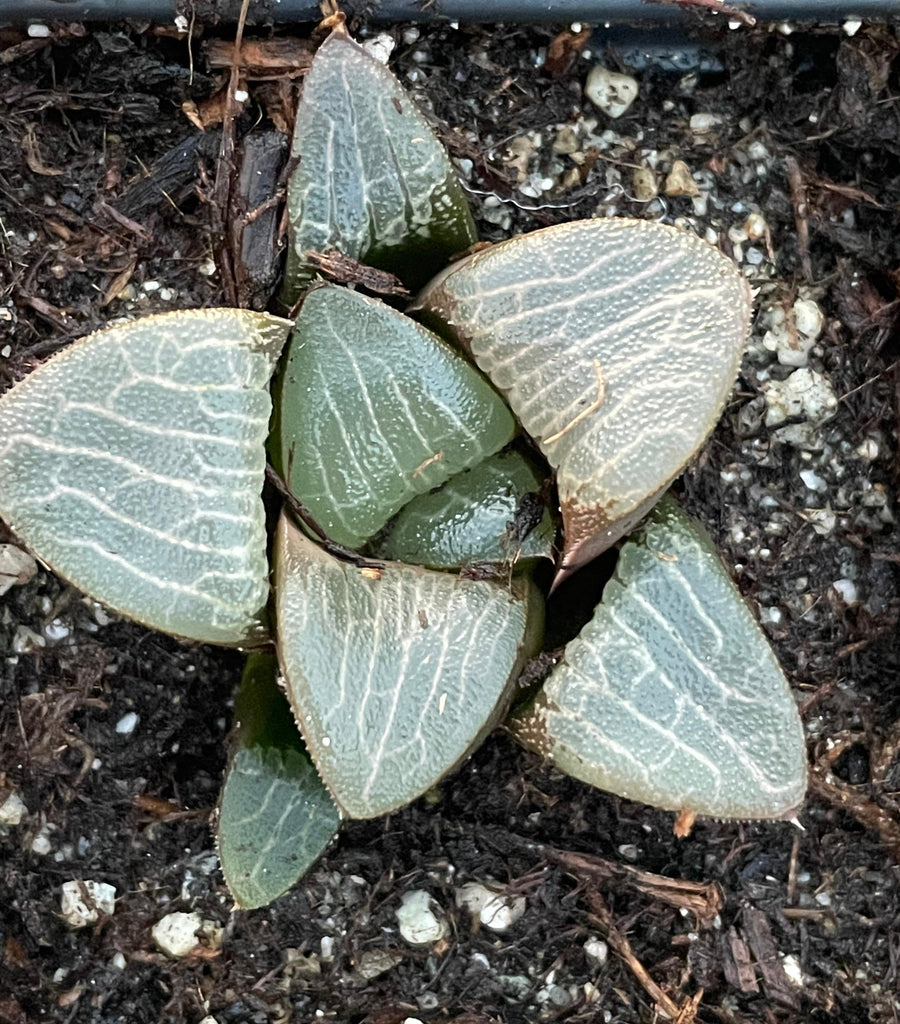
(550, 390)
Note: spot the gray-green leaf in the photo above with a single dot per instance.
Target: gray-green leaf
(491, 513)
(373, 181)
(394, 673)
(670, 694)
(373, 410)
(275, 814)
(132, 463)
(616, 343)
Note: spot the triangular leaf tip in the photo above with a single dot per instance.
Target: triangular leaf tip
(275, 815)
(132, 462)
(420, 412)
(394, 673)
(373, 180)
(671, 694)
(616, 343)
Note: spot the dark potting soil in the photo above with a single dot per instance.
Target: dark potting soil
(109, 208)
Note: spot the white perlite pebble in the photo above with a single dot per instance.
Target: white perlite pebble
(596, 950)
(127, 723)
(611, 92)
(178, 934)
(419, 924)
(380, 47)
(791, 342)
(16, 567)
(501, 913)
(84, 903)
(492, 906)
(847, 590)
(12, 810)
(806, 393)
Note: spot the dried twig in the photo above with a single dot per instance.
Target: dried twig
(823, 784)
(800, 201)
(601, 918)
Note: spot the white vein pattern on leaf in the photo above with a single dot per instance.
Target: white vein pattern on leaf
(63, 490)
(167, 585)
(140, 472)
(740, 752)
(655, 727)
(596, 294)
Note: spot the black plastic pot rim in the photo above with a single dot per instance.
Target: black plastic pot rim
(599, 12)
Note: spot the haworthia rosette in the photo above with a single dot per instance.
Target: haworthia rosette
(616, 343)
(374, 410)
(132, 462)
(671, 695)
(372, 179)
(394, 673)
(490, 513)
(275, 815)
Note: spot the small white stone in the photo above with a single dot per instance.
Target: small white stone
(12, 810)
(153, 286)
(55, 631)
(41, 844)
(473, 896)
(84, 903)
(868, 450)
(419, 924)
(16, 567)
(596, 950)
(241, 95)
(118, 962)
(851, 26)
(37, 31)
(380, 47)
(755, 226)
(176, 933)
(501, 912)
(127, 723)
(612, 92)
(792, 969)
(823, 520)
(805, 393)
(326, 947)
(702, 124)
(181, 23)
(812, 480)
(847, 589)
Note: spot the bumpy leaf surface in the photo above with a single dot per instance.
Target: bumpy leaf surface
(373, 181)
(275, 815)
(132, 463)
(491, 513)
(373, 410)
(616, 343)
(394, 674)
(670, 694)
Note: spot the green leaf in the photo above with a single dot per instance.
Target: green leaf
(670, 694)
(491, 513)
(394, 674)
(373, 181)
(275, 815)
(616, 343)
(374, 410)
(132, 462)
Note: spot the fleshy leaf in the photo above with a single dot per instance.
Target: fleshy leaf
(394, 673)
(275, 814)
(491, 513)
(374, 410)
(616, 343)
(373, 181)
(132, 463)
(670, 694)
